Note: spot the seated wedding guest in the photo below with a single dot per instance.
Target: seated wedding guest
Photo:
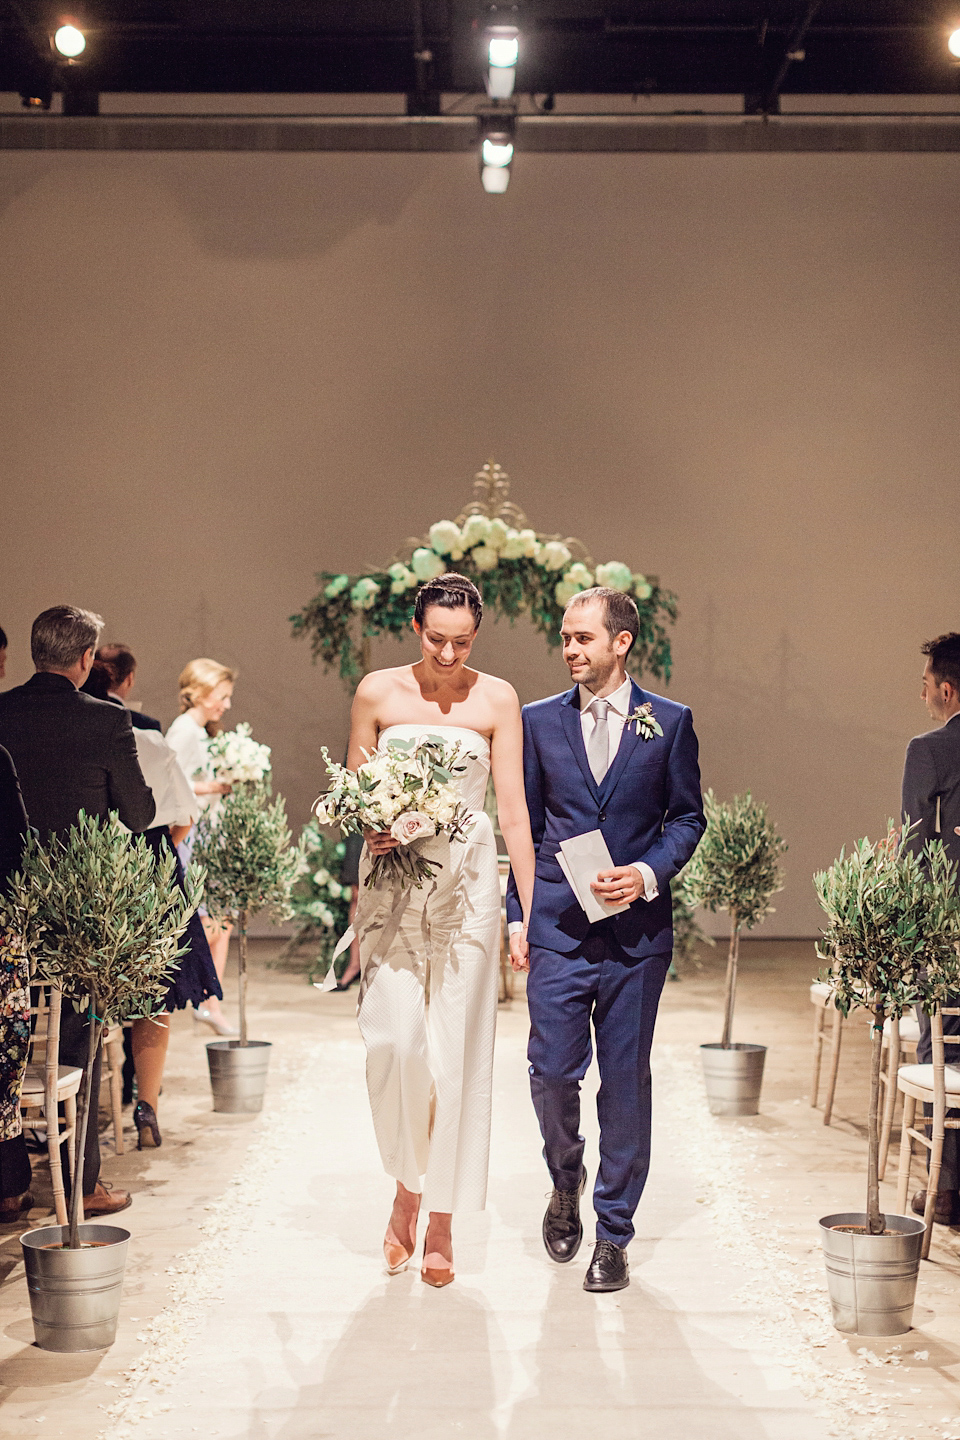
(73, 753)
(205, 690)
(3, 653)
(195, 980)
(15, 1195)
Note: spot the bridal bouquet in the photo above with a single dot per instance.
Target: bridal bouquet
(407, 789)
(235, 757)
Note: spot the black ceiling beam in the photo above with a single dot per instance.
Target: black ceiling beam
(540, 134)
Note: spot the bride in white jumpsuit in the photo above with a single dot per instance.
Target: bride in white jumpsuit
(430, 957)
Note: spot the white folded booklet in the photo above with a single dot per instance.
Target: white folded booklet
(581, 858)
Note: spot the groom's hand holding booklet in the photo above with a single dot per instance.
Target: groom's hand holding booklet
(582, 858)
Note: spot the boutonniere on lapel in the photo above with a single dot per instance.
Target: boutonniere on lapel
(644, 721)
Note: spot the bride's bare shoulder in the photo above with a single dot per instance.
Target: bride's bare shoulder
(498, 693)
(378, 683)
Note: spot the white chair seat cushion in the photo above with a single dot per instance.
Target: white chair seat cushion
(34, 1082)
(922, 1076)
(909, 1029)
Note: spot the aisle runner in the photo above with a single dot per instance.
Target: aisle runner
(283, 1325)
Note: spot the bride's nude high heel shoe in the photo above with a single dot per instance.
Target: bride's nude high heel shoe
(396, 1254)
(437, 1276)
(398, 1257)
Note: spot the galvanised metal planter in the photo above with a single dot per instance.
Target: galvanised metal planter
(75, 1294)
(238, 1075)
(733, 1078)
(872, 1279)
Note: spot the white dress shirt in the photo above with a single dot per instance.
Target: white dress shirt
(619, 709)
(172, 792)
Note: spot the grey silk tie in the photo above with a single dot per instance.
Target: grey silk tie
(598, 750)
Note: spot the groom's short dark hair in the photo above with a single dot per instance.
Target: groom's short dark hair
(944, 656)
(619, 611)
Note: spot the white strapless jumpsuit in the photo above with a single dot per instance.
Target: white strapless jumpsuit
(428, 1001)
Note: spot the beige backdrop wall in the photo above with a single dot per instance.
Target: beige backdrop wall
(220, 373)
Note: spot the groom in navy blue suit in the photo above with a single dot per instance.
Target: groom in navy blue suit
(589, 766)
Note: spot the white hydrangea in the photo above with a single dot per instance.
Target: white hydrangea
(514, 546)
(426, 564)
(554, 555)
(320, 877)
(615, 575)
(564, 591)
(476, 531)
(531, 545)
(642, 587)
(336, 586)
(364, 593)
(401, 579)
(498, 534)
(445, 537)
(485, 557)
(579, 574)
(334, 889)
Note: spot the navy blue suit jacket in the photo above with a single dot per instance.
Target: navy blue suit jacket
(648, 807)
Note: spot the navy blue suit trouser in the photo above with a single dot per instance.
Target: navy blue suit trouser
(618, 995)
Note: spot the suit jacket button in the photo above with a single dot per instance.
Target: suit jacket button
(602, 816)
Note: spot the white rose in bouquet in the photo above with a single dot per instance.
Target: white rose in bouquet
(236, 758)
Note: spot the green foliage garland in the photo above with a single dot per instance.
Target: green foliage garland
(893, 926)
(100, 918)
(516, 570)
(735, 868)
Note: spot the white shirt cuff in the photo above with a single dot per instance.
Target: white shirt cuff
(650, 887)
(514, 927)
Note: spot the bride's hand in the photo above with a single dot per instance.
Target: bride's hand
(380, 842)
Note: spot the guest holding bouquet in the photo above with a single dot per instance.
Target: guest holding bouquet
(206, 688)
(423, 741)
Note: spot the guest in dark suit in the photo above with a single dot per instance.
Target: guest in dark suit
(931, 796)
(73, 753)
(587, 766)
(15, 1194)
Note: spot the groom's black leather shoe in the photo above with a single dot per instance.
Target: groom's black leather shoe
(562, 1229)
(608, 1268)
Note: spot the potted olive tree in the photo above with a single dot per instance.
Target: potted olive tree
(250, 866)
(735, 868)
(893, 925)
(100, 919)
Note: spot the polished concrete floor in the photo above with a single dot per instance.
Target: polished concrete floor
(256, 1304)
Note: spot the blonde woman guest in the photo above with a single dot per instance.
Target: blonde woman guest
(206, 688)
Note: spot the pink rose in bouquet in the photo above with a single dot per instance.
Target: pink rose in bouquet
(412, 825)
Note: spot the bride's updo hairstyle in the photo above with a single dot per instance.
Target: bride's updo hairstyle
(450, 592)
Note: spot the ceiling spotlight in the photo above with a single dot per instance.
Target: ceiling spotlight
(69, 42)
(503, 50)
(953, 44)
